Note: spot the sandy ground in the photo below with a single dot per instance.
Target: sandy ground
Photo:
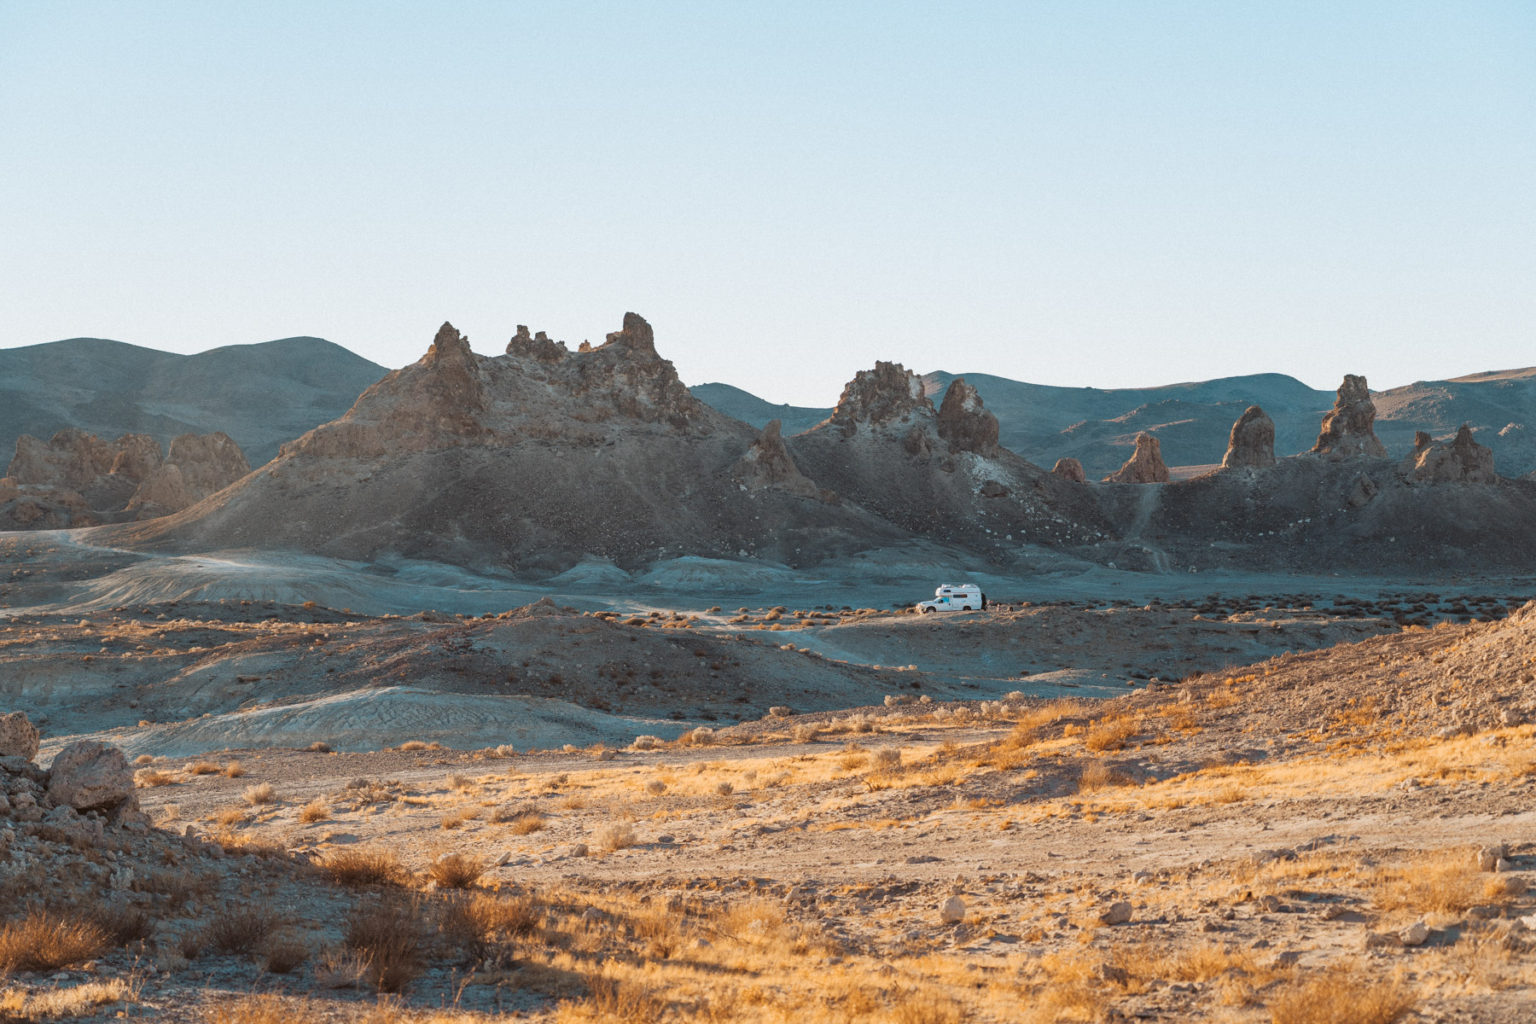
(1280, 778)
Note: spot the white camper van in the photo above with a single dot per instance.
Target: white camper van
(955, 597)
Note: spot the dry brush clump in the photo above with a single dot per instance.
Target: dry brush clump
(44, 940)
(369, 866)
(1342, 996)
(387, 938)
(457, 870)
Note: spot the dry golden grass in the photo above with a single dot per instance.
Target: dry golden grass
(234, 770)
(44, 940)
(1111, 733)
(150, 778)
(1443, 881)
(367, 866)
(232, 816)
(616, 836)
(259, 794)
(1097, 775)
(458, 816)
(316, 810)
(457, 870)
(241, 930)
(1341, 996)
(64, 1002)
(203, 768)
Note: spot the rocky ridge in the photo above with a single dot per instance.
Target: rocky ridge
(77, 479)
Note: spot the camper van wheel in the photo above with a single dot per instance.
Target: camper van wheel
(924, 611)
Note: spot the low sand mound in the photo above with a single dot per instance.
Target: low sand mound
(376, 718)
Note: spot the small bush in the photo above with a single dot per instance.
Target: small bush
(284, 955)
(45, 940)
(315, 810)
(234, 770)
(259, 794)
(203, 768)
(122, 922)
(456, 870)
(240, 930)
(363, 867)
(148, 778)
(617, 836)
(387, 939)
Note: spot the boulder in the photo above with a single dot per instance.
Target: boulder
(1348, 428)
(1070, 469)
(1459, 461)
(964, 423)
(1118, 912)
(18, 736)
(91, 776)
(1251, 445)
(1145, 466)
(952, 910)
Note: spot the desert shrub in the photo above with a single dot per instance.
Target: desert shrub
(44, 940)
(617, 836)
(121, 922)
(240, 929)
(1110, 733)
(259, 794)
(1098, 775)
(316, 810)
(655, 787)
(284, 954)
(458, 816)
(234, 770)
(362, 867)
(646, 742)
(456, 870)
(203, 768)
(1340, 997)
(148, 778)
(387, 939)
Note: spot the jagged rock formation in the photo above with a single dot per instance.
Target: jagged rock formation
(1251, 445)
(940, 474)
(1348, 427)
(18, 736)
(1070, 469)
(768, 464)
(76, 479)
(887, 395)
(1145, 466)
(1461, 460)
(533, 459)
(964, 423)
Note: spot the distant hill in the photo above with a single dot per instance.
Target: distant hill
(261, 395)
(748, 408)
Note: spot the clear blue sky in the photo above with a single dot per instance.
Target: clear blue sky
(1068, 193)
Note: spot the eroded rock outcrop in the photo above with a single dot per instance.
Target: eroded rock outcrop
(1070, 469)
(768, 463)
(963, 421)
(885, 395)
(1145, 466)
(1348, 428)
(1251, 445)
(76, 479)
(1460, 461)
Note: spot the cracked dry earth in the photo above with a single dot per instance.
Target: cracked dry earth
(1343, 835)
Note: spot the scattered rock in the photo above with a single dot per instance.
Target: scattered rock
(952, 910)
(1415, 934)
(1488, 857)
(1116, 913)
(1383, 940)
